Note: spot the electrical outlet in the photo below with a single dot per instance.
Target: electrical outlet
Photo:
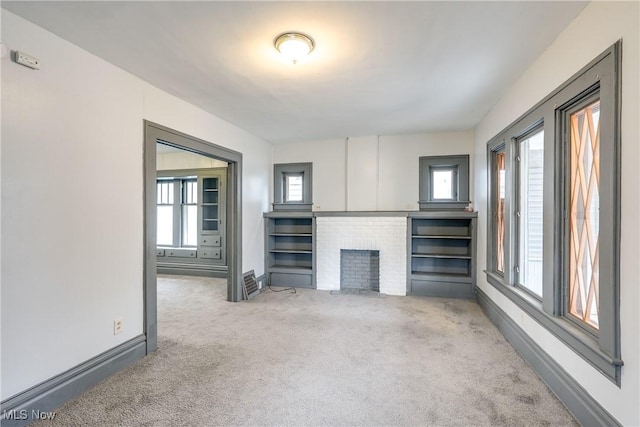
(117, 326)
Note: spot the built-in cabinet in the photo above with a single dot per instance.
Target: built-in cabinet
(208, 256)
(441, 252)
(211, 211)
(290, 249)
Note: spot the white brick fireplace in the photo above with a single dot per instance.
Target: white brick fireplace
(387, 234)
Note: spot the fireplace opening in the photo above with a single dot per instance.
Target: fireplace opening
(359, 269)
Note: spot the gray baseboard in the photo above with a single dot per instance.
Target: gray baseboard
(185, 271)
(23, 408)
(582, 406)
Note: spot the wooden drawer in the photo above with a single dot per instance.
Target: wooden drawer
(210, 241)
(210, 253)
(181, 253)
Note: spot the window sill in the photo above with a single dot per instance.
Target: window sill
(573, 337)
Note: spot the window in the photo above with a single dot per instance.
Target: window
(500, 191)
(444, 182)
(165, 212)
(553, 236)
(529, 215)
(189, 204)
(584, 207)
(292, 186)
(177, 212)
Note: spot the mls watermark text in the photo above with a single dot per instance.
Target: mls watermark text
(24, 414)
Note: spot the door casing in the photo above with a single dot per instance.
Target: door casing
(154, 133)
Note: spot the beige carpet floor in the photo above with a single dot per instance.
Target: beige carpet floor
(319, 359)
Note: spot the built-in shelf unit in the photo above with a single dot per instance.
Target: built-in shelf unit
(208, 257)
(211, 204)
(290, 249)
(441, 252)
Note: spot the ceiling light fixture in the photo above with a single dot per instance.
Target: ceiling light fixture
(294, 46)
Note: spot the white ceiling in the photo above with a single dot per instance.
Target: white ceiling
(379, 68)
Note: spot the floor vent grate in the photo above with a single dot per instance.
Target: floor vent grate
(249, 285)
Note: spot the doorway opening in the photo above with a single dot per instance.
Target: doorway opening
(191, 195)
(226, 233)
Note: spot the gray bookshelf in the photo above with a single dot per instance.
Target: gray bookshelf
(290, 249)
(441, 249)
(211, 230)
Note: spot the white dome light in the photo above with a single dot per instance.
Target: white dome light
(294, 46)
